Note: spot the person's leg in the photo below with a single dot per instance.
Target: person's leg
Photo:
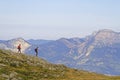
(20, 50)
(36, 53)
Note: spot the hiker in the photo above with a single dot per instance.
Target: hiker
(36, 51)
(19, 48)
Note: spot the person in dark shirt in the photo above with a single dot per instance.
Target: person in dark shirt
(36, 51)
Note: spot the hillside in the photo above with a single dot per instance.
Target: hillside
(14, 66)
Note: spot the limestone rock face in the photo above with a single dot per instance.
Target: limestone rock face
(13, 43)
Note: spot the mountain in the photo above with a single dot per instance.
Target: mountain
(99, 52)
(1, 41)
(14, 66)
(38, 41)
(13, 43)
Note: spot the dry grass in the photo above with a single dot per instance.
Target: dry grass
(14, 66)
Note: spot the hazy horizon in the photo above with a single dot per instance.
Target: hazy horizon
(51, 19)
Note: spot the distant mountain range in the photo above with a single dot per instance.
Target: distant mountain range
(38, 41)
(98, 52)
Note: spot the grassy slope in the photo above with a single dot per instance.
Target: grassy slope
(14, 66)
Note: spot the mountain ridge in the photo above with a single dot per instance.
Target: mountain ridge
(13, 43)
(98, 52)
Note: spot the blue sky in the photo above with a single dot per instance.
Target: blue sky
(53, 19)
